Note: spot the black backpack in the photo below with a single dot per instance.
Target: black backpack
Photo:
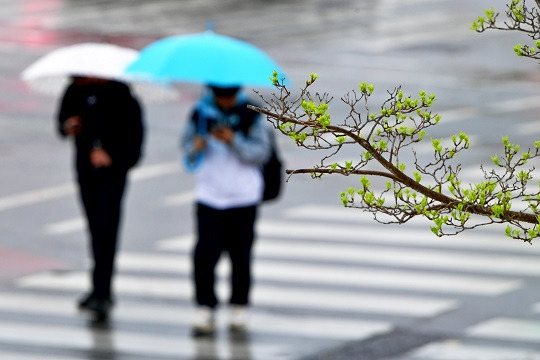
(272, 172)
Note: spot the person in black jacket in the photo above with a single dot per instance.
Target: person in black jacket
(106, 122)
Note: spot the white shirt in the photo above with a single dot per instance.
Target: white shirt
(224, 181)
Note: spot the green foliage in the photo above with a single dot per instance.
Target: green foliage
(366, 89)
(274, 78)
(518, 18)
(383, 133)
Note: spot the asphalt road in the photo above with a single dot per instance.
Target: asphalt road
(333, 284)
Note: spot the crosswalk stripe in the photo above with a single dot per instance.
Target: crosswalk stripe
(83, 339)
(8, 355)
(35, 196)
(159, 313)
(365, 231)
(64, 227)
(448, 260)
(155, 170)
(506, 106)
(183, 198)
(332, 275)
(528, 128)
(391, 34)
(268, 295)
(372, 232)
(292, 249)
(456, 350)
(54, 192)
(507, 328)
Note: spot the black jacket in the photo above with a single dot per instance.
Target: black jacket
(111, 118)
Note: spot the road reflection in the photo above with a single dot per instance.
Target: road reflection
(236, 346)
(102, 334)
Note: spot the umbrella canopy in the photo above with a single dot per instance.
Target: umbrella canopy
(51, 73)
(207, 58)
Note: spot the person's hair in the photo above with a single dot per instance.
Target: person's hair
(219, 91)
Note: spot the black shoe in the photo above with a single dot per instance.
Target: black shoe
(96, 304)
(83, 302)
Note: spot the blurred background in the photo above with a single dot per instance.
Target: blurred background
(330, 283)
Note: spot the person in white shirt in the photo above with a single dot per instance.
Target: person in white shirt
(225, 144)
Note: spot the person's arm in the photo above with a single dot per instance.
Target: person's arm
(121, 133)
(255, 147)
(69, 122)
(191, 142)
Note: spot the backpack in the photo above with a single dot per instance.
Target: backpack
(272, 172)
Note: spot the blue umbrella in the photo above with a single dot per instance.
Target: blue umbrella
(207, 58)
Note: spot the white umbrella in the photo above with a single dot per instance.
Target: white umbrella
(50, 74)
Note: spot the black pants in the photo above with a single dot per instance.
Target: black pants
(231, 231)
(101, 193)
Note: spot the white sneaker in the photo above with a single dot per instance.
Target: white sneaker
(203, 322)
(238, 317)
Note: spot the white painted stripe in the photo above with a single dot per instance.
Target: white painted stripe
(506, 106)
(421, 258)
(291, 249)
(55, 192)
(381, 44)
(179, 199)
(180, 243)
(507, 329)
(86, 339)
(153, 171)
(456, 350)
(7, 355)
(159, 313)
(35, 196)
(64, 227)
(512, 105)
(459, 114)
(528, 128)
(78, 224)
(366, 230)
(332, 275)
(283, 297)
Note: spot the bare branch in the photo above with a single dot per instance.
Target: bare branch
(381, 137)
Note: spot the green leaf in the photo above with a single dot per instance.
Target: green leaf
(312, 78)
(365, 181)
(490, 13)
(274, 78)
(369, 198)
